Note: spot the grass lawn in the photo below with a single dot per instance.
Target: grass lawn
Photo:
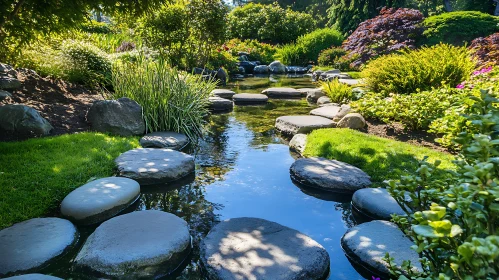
(35, 175)
(381, 158)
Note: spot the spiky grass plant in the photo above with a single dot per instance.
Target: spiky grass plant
(338, 92)
(171, 100)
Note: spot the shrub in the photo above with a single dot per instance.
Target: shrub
(421, 69)
(257, 51)
(458, 28)
(93, 26)
(222, 58)
(486, 50)
(171, 100)
(391, 31)
(338, 92)
(329, 57)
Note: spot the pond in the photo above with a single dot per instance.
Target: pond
(242, 170)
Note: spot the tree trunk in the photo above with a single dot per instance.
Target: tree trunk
(447, 5)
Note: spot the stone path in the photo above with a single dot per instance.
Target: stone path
(376, 204)
(291, 125)
(250, 99)
(164, 139)
(220, 105)
(223, 93)
(282, 93)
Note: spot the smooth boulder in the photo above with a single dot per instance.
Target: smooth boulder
(298, 143)
(252, 248)
(329, 112)
(292, 125)
(329, 175)
(218, 104)
(23, 120)
(34, 244)
(282, 93)
(143, 244)
(376, 203)
(367, 244)
(277, 67)
(121, 117)
(314, 95)
(323, 100)
(353, 121)
(345, 109)
(150, 166)
(304, 91)
(250, 99)
(33, 276)
(165, 140)
(100, 200)
(261, 69)
(223, 93)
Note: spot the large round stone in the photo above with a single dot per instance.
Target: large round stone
(142, 244)
(34, 244)
(33, 276)
(298, 143)
(100, 200)
(376, 204)
(330, 175)
(353, 121)
(223, 93)
(282, 93)
(367, 244)
(150, 166)
(291, 125)
(314, 95)
(23, 120)
(164, 139)
(250, 99)
(251, 248)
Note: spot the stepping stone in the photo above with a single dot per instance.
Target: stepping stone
(150, 166)
(329, 175)
(251, 248)
(34, 244)
(345, 110)
(298, 143)
(329, 112)
(164, 139)
(350, 82)
(33, 276)
(143, 244)
(282, 93)
(367, 244)
(304, 91)
(323, 100)
(292, 125)
(313, 96)
(250, 99)
(218, 104)
(100, 200)
(353, 121)
(377, 204)
(223, 93)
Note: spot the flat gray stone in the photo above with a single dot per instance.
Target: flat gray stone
(152, 166)
(282, 93)
(329, 112)
(251, 248)
(376, 204)
(142, 244)
(250, 99)
(329, 175)
(100, 200)
(292, 125)
(33, 276)
(298, 143)
(323, 100)
(34, 244)
(314, 95)
(164, 139)
(353, 121)
(23, 120)
(219, 104)
(368, 243)
(223, 93)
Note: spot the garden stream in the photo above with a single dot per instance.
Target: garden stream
(242, 170)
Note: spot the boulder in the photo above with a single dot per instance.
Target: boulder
(304, 91)
(143, 244)
(252, 248)
(329, 112)
(10, 83)
(165, 140)
(345, 109)
(282, 93)
(323, 100)
(277, 67)
(223, 93)
(218, 104)
(376, 204)
(296, 69)
(367, 244)
(7, 70)
(250, 99)
(353, 121)
(150, 166)
(23, 120)
(314, 95)
(221, 76)
(329, 175)
(100, 200)
(122, 117)
(34, 244)
(33, 276)
(298, 143)
(261, 69)
(5, 95)
(291, 125)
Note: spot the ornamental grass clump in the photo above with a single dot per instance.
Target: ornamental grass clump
(171, 100)
(338, 92)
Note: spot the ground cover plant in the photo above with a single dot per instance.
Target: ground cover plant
(35, 175)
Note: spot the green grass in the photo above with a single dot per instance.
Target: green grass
(35, 175)
(381, 158)
(355, 74)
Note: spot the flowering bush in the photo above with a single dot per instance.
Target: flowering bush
(486, 50)
(393, 30)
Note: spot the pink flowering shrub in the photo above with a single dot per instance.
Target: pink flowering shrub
(486, 50)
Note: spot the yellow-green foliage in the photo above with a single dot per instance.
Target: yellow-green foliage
(338, 92)
(421, 69)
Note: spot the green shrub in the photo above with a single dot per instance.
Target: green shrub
(338, 92)
(257, 51)
(290, 54)
(222, 59)
(458, 28)
(329, 57)
(171, 100)
(421, 69)
(93, 26)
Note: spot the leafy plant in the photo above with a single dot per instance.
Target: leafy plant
(257, 51)
(486, 50)
(338, 92)
(421, 69)
(171, 100)
(329, 57)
